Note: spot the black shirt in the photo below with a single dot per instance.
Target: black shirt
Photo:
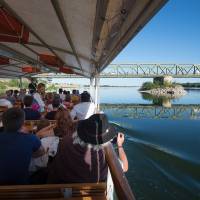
(51, 115)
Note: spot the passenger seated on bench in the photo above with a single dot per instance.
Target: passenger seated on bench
(49, 142)
(84, 109)
(16, 149)
(30, 114)
(64, 123)
(80, 157)
(56, 104)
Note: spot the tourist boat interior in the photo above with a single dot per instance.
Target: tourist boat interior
(79, 37)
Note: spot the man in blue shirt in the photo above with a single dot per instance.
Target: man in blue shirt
(16, 149)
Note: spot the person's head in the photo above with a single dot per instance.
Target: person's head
(16, 92)
(96, 130)
(22, 91)
(85, 97)
(28, 101)
(65, 124)
(56, 103)
(74, 92)
(68, 98)
(41, 88)
(31, 91)
(60, 91)
(49, 97)
(8, 93)
(11, 92)
(13, 119)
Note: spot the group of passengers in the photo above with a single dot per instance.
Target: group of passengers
(71, 150)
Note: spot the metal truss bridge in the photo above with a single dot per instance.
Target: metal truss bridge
(141, 71)
(150, 111)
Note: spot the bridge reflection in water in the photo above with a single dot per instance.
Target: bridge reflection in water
(150, 111)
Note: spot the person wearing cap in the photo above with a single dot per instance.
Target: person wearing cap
(80, 157)
(84, 109)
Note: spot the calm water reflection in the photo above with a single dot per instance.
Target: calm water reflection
(131, 95)
(162, 143)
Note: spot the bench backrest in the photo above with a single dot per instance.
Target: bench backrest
(54, 191)
(31, 125)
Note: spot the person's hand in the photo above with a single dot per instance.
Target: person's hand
(120, 139)
(47, 131)
(25, 129)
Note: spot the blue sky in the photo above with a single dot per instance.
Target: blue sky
(172, 36)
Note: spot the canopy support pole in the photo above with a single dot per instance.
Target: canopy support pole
(94, 90)
(20, 82)
(96, 97)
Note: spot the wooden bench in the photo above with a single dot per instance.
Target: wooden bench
(86, 191)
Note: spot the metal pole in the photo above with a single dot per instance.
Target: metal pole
(96, 98)
(92, 88)
(20, 82)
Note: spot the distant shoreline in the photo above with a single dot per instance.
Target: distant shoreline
(105, 86)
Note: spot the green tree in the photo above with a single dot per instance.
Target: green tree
(13, 83)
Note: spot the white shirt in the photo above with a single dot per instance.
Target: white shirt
(50, 145)
(83, 110)
(62, 96)
(39, 100)
(5, 102)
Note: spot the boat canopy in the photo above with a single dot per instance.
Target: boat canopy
(69, 36)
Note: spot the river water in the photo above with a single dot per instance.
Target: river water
(162, 142)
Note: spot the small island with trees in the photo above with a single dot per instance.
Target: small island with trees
(163, 86)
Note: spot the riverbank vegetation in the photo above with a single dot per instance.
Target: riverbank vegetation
(150, 85)
(190, 85)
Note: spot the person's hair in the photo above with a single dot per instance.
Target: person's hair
(60, 91)
(16, 92)
(65, 124)
(64, 91)
(28, 100)
(73, 91)
(85, 97)
(42, 124)
(32, 91)
(13, 119)
(40, 85)
(56, 102)
(49, 96)
(68, 98)
(56, 96)
(11, 92)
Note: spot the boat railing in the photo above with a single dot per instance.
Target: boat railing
(121, 185)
